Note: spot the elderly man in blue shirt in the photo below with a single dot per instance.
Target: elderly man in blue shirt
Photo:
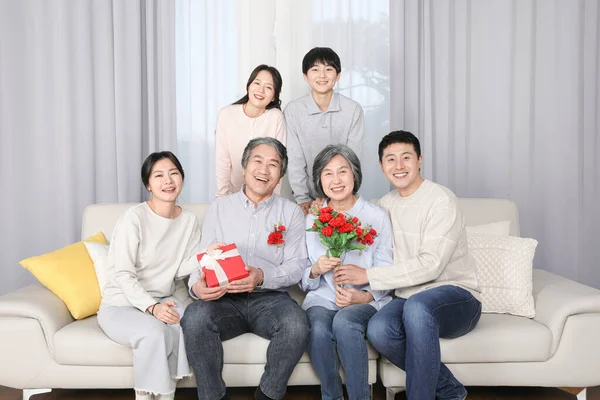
(258, 303)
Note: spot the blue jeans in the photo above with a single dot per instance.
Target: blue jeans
(271, 315)
(340, 333)
(407, 332)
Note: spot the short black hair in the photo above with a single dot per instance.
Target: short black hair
(323, 55)
(277, 85)
(153, 159)
(399, 137)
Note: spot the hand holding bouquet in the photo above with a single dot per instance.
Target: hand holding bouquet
(340, 232)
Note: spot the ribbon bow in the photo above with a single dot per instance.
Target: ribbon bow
(210, 261)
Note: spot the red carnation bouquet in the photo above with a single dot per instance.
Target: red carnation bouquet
(339, 232)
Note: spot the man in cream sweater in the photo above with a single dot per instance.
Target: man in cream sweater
(433, 274)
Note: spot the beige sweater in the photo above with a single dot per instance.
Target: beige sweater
(430, 243)
(147, 253)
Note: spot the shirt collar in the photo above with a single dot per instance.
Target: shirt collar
(246, 202)
(313, 108)
(360, 203)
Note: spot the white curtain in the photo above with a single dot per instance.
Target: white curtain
(220, 42)
(86, 93)
(505, 97)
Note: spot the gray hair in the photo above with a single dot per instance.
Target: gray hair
(276, 144)
(325, 156)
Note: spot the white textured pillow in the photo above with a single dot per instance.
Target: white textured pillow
(99, 254)
(504, 272)
(501, 228)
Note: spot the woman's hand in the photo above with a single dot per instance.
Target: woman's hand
(323, 265)
(350, 274)
(215, 246)
(165, 312)
(346, 297)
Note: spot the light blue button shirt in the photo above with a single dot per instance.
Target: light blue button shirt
(321, 290)
(234, 219)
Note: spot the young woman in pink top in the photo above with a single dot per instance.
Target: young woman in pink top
(257, 114)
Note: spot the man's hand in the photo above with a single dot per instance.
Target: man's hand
(249, 283)
(305, 206)
(203, 292)
(165, 313)
(350, 274)
(346, 297)
(323, 265)
(318, 203)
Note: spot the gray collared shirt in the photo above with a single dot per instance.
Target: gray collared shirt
(234, 219)
(310, 130)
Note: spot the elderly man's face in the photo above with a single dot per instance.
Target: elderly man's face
(262, 173)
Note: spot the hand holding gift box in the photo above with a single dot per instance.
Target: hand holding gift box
(222, 265)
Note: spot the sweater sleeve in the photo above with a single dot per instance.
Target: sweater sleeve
(297, 173)
(222, 159)
(189, 263)
(383, 254)
(440, 237)
(280, 130)
(124, 248)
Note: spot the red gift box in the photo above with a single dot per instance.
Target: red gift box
(222, 266)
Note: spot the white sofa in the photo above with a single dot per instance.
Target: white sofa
(42, 347)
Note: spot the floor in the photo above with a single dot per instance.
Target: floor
(307, 393)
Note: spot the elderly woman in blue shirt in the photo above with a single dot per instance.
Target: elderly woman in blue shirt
(339, 315)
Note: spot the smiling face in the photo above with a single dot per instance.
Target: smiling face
(337, 179)
(321, 78)
(262, 173)
(165, 181)
(261, 90)
(401, 167)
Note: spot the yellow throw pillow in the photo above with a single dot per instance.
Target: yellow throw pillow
(69, 273)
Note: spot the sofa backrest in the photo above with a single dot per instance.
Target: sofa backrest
(104, 217)
(485, 211)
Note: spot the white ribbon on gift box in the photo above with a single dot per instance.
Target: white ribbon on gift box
(210, 261)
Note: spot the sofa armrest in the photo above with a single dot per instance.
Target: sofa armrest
(37, 302)
(556, 298)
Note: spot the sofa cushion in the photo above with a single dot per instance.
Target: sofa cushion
(504, 272)
(99, 254)
(84, 343)
(69, 273)
(500, 338)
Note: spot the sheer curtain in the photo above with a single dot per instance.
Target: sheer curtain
(85, 95)
(219, 43)
(504, 96)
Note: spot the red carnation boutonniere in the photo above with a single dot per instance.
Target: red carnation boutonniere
(276, 237)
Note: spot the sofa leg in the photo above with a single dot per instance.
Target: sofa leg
(390, 392)
(581, 393)
(27, 393)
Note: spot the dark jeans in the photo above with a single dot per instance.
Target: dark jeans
(271, 315)
(341, 334)
(407, 333)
